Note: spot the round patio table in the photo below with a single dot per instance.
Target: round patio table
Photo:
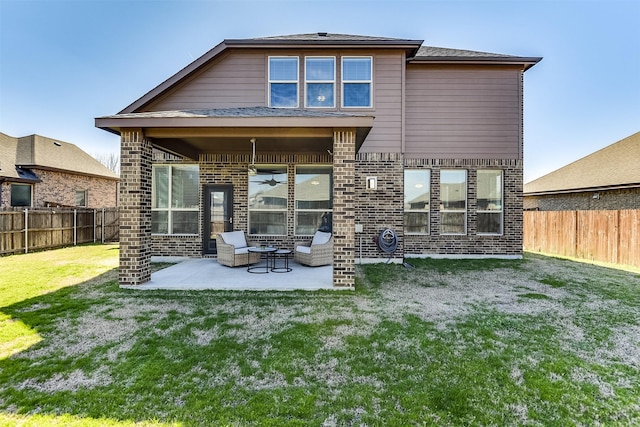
(284, 255)
(266, 256)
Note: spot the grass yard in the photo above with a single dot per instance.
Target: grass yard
(541, 341)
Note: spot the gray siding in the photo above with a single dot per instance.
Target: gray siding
(236, 79)
(470, 112)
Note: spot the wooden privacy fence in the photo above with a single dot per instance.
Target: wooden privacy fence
(38, 229)
(605, 236)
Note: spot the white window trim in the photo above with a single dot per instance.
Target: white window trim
(428, 211)
(466, 204)
(295, 208)
(501, 211)
(297, 81)
(307, 82)
(169, 209)
(285, 209)
(370, 81)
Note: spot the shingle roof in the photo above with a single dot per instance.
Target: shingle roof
(35, 151)
(320, 36)
(446, 55)
(617, 165)
(439, 52)
(236, 112)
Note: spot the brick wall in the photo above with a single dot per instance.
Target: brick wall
(607, 200)
(59, 188)
(135, 211)
(383, 208)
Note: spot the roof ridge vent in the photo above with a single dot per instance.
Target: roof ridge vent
(322, 34)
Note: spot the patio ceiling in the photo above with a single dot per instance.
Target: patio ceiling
(194, 132)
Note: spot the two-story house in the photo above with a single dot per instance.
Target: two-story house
(268, 135)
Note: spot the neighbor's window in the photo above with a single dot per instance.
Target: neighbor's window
(314, 198)
(21, 195)
(416, 201)
(453, 201)
(356, 81)
(81, 197)
(283, 81)
(175, 200)
(320, 75)
(268, 201)
(489, 202)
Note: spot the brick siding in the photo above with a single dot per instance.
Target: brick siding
(59, 188)
(135, 213)
(607, 200)
(383, 208)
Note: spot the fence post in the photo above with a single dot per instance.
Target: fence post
(102, 227)
(26, 230)
(95, 225)
(75, 227)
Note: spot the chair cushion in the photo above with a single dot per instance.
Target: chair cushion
(235, 238)
(303, 249)
(320, 238)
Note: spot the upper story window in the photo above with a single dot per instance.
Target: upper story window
(357, 82)
(320, 77)
(283, 81)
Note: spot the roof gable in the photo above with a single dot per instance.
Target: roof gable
(35, 151)
(414, 50)
(613, 166)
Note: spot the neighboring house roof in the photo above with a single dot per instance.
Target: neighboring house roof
(415, 53)
(18, 156)
(615, 166)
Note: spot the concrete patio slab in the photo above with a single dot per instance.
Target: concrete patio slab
(207, 274)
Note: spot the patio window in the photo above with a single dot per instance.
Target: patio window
(357, 81)
(175, 199)
(268, 195)
(320, 75)
(453, 201)
(490, 202)
(21, 195)
(283, 81)
(417, 201)
(314, 198)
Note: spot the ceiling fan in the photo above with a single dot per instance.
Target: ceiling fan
(270, 182)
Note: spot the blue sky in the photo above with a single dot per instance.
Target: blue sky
(63, 63)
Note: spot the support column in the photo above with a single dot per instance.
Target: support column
(135, 207)
(344, 157)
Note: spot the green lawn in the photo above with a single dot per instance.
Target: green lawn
(541, 341)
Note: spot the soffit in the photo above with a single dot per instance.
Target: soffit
(193, 132)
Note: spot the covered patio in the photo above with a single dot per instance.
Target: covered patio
(211, 138)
